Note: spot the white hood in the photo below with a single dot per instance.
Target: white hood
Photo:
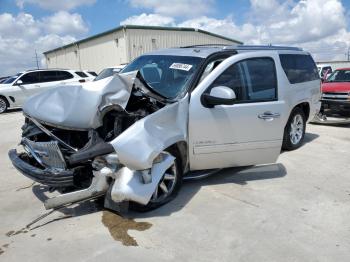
(79, 106)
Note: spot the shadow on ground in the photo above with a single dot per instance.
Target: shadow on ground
(11, 111)
(309, 137)
(240, 175)
(83, 208)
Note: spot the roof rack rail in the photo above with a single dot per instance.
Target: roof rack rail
(263, 47)
(206, 45)
(47, 69)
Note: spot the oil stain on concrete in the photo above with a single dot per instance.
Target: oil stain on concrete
(2, 249)
(118, 227)
(21, 231)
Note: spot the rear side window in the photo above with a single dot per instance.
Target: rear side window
(299, 68)
(81, 74)
(252, 80)
(64, 75)
(92, 73)
(48, 76)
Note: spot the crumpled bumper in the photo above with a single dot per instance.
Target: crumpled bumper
(50, 177)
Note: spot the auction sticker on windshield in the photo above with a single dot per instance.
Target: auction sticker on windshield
(181, 66)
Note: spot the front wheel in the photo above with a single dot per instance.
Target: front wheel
(167, 189)
(3, 105)
(294, 131)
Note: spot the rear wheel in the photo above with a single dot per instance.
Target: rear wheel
(167, 189)
(3, 105)
(294, 131)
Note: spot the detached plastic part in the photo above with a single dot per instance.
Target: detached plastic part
(129, 185)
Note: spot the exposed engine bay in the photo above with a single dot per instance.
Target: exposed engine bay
(78, 147)
(80, 159)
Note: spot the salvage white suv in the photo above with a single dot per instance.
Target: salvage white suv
(134, 136)
(16, 89)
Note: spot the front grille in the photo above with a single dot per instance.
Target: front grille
(48, 154)
(336, 96)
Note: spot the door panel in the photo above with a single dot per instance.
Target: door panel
(249, 132)
(31, 83)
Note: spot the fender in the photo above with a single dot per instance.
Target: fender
(138, 145)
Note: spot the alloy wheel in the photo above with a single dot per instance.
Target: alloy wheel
(166, 185)
(297, 129)
(3, 105)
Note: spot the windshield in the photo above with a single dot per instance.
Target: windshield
(106, 73)
(339, 76)
(11, 79)
(168, 76)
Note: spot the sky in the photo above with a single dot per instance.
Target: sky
(321, 27)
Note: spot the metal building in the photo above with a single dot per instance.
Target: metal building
(124, 43)
(335, 64)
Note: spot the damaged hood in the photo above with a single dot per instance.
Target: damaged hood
(80, 106)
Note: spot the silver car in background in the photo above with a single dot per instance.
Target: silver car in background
(15, 90)
(132, 137)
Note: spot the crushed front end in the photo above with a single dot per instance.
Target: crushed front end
(119, 155)
(46, 153)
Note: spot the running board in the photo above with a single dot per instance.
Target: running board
(200, 174)
(98, 187)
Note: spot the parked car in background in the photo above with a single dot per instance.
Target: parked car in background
(336, 95)
(85, 76)
(324, 70)
(133, 136)
(109, 71)
(15, 90)
(2, 79)
(90, 73)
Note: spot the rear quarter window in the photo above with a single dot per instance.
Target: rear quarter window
(299, 68)
(81, 74)
(64, 75)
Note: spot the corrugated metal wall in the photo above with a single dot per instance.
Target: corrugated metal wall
(121, 46)
(141, 41)
(102, 52)
(95, 54)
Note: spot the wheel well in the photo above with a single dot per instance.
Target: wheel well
(7, 102)
(181, 149)
(306, 109)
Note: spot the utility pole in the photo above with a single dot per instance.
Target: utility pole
(37, 60)
(347, 54)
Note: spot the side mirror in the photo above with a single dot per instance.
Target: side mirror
(19, 82)
(219, 95)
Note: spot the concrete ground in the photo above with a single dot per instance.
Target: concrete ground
(296, 210)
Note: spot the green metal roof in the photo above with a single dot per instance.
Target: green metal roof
(169, 28)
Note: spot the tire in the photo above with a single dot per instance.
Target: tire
(162, 198)
(3, 105)
(294, 132)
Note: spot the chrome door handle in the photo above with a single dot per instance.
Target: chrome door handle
(269, 116)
